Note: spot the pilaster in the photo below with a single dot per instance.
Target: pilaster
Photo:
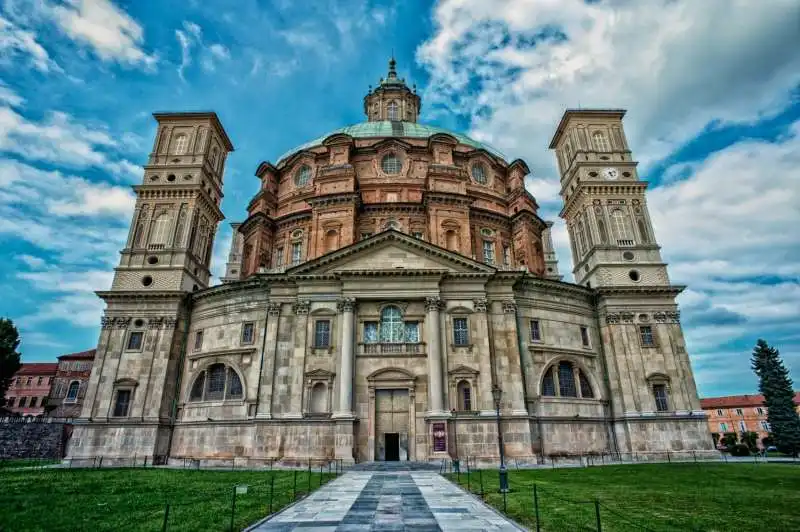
(268, 354)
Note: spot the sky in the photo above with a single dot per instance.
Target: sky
(712, 91)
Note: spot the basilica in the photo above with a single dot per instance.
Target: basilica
(393, 294)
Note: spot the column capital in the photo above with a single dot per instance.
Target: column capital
(274, 308)
(481, 304)
(433, 303)
(346, 304)
(509, 306)
(302, 306)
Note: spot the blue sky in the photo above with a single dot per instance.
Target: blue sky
(712, 90)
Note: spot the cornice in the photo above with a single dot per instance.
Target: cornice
(334, 199)
(255, 220)
(138, 295)
(541, 224)
(530, 282)
(252, 282)
(670, 289)
(287, 219)
(447, 198)
(406, 207)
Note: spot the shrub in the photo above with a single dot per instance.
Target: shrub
(740, 449)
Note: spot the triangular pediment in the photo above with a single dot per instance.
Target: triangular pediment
(391, 251)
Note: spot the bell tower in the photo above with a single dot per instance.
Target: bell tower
(177, 207)
(605, 208)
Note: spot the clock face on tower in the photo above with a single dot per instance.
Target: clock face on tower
(610, 173)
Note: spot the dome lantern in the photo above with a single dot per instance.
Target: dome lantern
(392, 100)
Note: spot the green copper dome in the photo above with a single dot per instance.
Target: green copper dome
(383, 129)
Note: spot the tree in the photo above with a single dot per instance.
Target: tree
(750, 439)
(776, 386)
(9, 357)
(729, 439)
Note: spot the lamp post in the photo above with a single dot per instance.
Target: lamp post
(496, 395)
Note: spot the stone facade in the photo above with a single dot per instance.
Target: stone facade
(29, 389)
(388, 279)
(69, 386)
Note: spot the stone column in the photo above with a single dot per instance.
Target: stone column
(269, 355)
(435, 396)
(347, 313)
(298, 364)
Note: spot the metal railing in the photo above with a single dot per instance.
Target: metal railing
(391, 348)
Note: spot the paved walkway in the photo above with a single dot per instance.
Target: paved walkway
(388, 500)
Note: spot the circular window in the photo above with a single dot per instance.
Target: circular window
(187, 178)
(303, 176)
(479, 173)
(592, 174)
(390, 164)
(634, 275)
(147, 280)
(550, 270)
(138, 323)
(171, 178)
(152, 260)
(153, 178)
(628, 255)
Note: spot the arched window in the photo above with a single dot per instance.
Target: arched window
(391, 325)
(451, 240)
(216, 383)
(390, 164)
(601, 228)
(303, 175)
(330, 240)
(72, 392)
(393, 111)
(464, 396)
(160, 231)
(181, 143)
(319, 394)
(621, 225)
(643, 230)
(565, 379)
(600, 141)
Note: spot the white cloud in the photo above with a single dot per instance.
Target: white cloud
(191, 37)
(31, 261)
(60, 140)
(107, 29)
(16, 41)
(514, 65)
(9, 97)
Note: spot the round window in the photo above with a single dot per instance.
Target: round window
(303, 176)
(147, 280)
(171, 178)
(479, 173)
(634, 275)
(390, 164)
(152, 260)
(628, 255)
(138, 323)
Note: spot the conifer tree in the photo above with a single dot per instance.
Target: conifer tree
(775, 385)
(9, 357)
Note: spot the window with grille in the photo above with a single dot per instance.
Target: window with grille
(536, 332)
(506, 256)
(393, 111)
(465, 396)
(621, 225)
(392, 327)
(488, 252)
(198, 340)
(72, 392)
(390, 164)
(181, 143)
(412, 332)
(297, 252)
(549, 384)
(303, 175)
(197, 388)
(600, 141)
(370, 332)
(122, 403)
(216, 382)
(660, 394)
(566, 380)
(479, 173)
(248, 332)
(234, 390)
(739, 412)
(135, 341)
(460, 331)
(646, 335)
(278, 257)
(322, 333)
(585, 336)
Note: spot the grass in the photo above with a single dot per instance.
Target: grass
(135, 499)
(26, 462)
(662, 497)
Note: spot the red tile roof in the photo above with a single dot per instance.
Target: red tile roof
(38, 368)
(730, 401)
(83, 355)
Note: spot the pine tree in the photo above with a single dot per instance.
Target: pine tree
(776, 387)
(9, 357)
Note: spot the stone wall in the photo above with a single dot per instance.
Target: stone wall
(32, 440)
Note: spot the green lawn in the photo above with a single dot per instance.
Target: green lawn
(27, 462)
(135, 499)
(707, 497)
